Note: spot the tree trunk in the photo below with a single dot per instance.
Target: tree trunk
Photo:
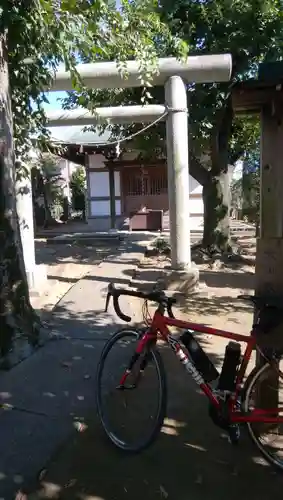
(216, 221)
(257, 228)
(17, 315)
(48, 220)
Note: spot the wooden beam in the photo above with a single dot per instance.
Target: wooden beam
(253, 100)
(135, 163)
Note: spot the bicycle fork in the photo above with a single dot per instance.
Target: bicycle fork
(143, 344)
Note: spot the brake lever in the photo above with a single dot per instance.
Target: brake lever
(110, 289)
(169, 308)
(108, 297)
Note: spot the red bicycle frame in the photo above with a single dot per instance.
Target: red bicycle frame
(160, 324)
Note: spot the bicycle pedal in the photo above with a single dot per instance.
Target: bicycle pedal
(234, 434)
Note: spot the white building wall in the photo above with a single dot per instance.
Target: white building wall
(66, 169)
(195, 204)
(117, 183)
(118, 207)
(98, 185)
(96, 161)
(194, 186)
(100, 208)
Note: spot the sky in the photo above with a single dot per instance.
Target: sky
(53, 100)
(54, 96)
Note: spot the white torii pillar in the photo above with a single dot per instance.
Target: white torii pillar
(174, 74)
(36, 274)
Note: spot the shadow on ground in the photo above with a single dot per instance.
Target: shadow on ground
(214, 305)
(190, 460)
(70, 253)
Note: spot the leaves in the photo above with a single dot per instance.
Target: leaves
(78, 188)
(206, 27)
(46, 33)
(246, 190)
(218, 27)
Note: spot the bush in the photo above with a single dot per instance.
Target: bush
(78, 186)
(47, 189)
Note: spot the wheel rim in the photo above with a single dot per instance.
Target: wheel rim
(267, 437)
(129, 417)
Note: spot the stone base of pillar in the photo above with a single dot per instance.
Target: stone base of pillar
(37, 280)
(184, 281)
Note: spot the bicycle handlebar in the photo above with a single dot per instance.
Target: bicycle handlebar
(154, 296)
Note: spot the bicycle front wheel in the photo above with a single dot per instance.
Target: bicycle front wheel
(131, 415)
(263, 392)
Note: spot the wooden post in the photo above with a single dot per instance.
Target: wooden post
(269, 256)
(87, 192)
(269, 260)
(112, 197)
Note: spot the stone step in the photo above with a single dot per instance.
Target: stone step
(86, 239)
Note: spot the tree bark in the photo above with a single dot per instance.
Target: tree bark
(216, 204)
(216, 188)
(16, 313)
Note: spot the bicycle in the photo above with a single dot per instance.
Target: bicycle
(231, 400)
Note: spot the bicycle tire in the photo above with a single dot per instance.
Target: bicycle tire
(247, 390)
(141, 445)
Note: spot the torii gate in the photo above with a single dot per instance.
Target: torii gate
(175, 75)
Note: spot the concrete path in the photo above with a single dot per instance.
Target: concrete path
(55, 386)
(191, 459)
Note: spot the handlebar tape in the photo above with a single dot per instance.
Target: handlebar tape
(118, 311)
(113, 292)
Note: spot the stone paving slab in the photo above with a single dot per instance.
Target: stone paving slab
(191, 459)
(65, 384)
(57, 384)
(59, 378)
(26, 443)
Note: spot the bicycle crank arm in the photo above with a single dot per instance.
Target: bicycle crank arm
(126, 387)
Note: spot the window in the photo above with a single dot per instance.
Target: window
(151, 182)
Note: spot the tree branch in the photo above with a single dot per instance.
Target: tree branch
(220, 139)
(235, 156)
(197, 171)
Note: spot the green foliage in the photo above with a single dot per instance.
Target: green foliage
(52, 180)
(246, 190)
(161, 246)
(252, 31)
(216, 27)
(78, 187)
(35, 37)
(47, 187)
(44, 33)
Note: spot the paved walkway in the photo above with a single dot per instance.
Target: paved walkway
(55, 385)
(190, 460)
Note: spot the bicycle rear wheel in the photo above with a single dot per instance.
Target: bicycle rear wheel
(131, 417)
(263, 391)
